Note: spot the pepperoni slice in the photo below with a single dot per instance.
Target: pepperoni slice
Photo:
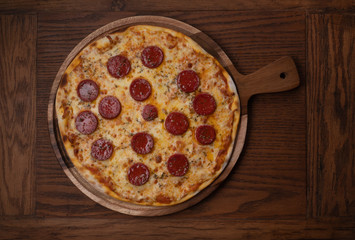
(86, 122)
(87, 90)
(138, 174)
(178, 165)
(152, 56)
(149, 112)
(109, 107)
(140, 89)
(142, 143)
(176, 123)
(188, 81)
(204, 104)
(205, 134)
(101, 149)
(118, 66)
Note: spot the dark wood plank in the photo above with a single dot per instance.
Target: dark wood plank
(169, 5)
(18, 113)
(270, 178)
(136, 5)
(330, 114)
(57, 5)
(156, 228)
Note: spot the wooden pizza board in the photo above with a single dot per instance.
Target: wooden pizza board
(278, 76)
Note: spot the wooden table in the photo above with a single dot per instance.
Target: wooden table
(296, 176)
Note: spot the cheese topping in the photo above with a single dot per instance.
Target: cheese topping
(180, 53)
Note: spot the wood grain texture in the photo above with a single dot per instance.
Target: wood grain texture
(169, 5)
(136, 5)
(141, 228)
(17, 110)
(278, 76)
(270, 179)
(330, 114)
(57, 5)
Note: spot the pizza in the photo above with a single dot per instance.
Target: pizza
(147, 116)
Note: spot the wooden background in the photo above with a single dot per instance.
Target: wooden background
(296, 176)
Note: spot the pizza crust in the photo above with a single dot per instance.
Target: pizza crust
(78, 147)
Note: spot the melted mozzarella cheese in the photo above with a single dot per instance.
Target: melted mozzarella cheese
(180, 53)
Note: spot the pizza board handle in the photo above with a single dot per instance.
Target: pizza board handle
(278, 76)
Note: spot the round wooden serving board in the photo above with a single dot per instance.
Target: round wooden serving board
(278, 76)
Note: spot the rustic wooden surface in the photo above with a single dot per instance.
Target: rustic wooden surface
(295, 177)
(138, 228)
(330, 114)
(18, 113)
(171, 5)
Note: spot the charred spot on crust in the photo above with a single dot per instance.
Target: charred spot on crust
(66, 112)
(76, 151)
(65, 138)
(109, 38)
(64, 80)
